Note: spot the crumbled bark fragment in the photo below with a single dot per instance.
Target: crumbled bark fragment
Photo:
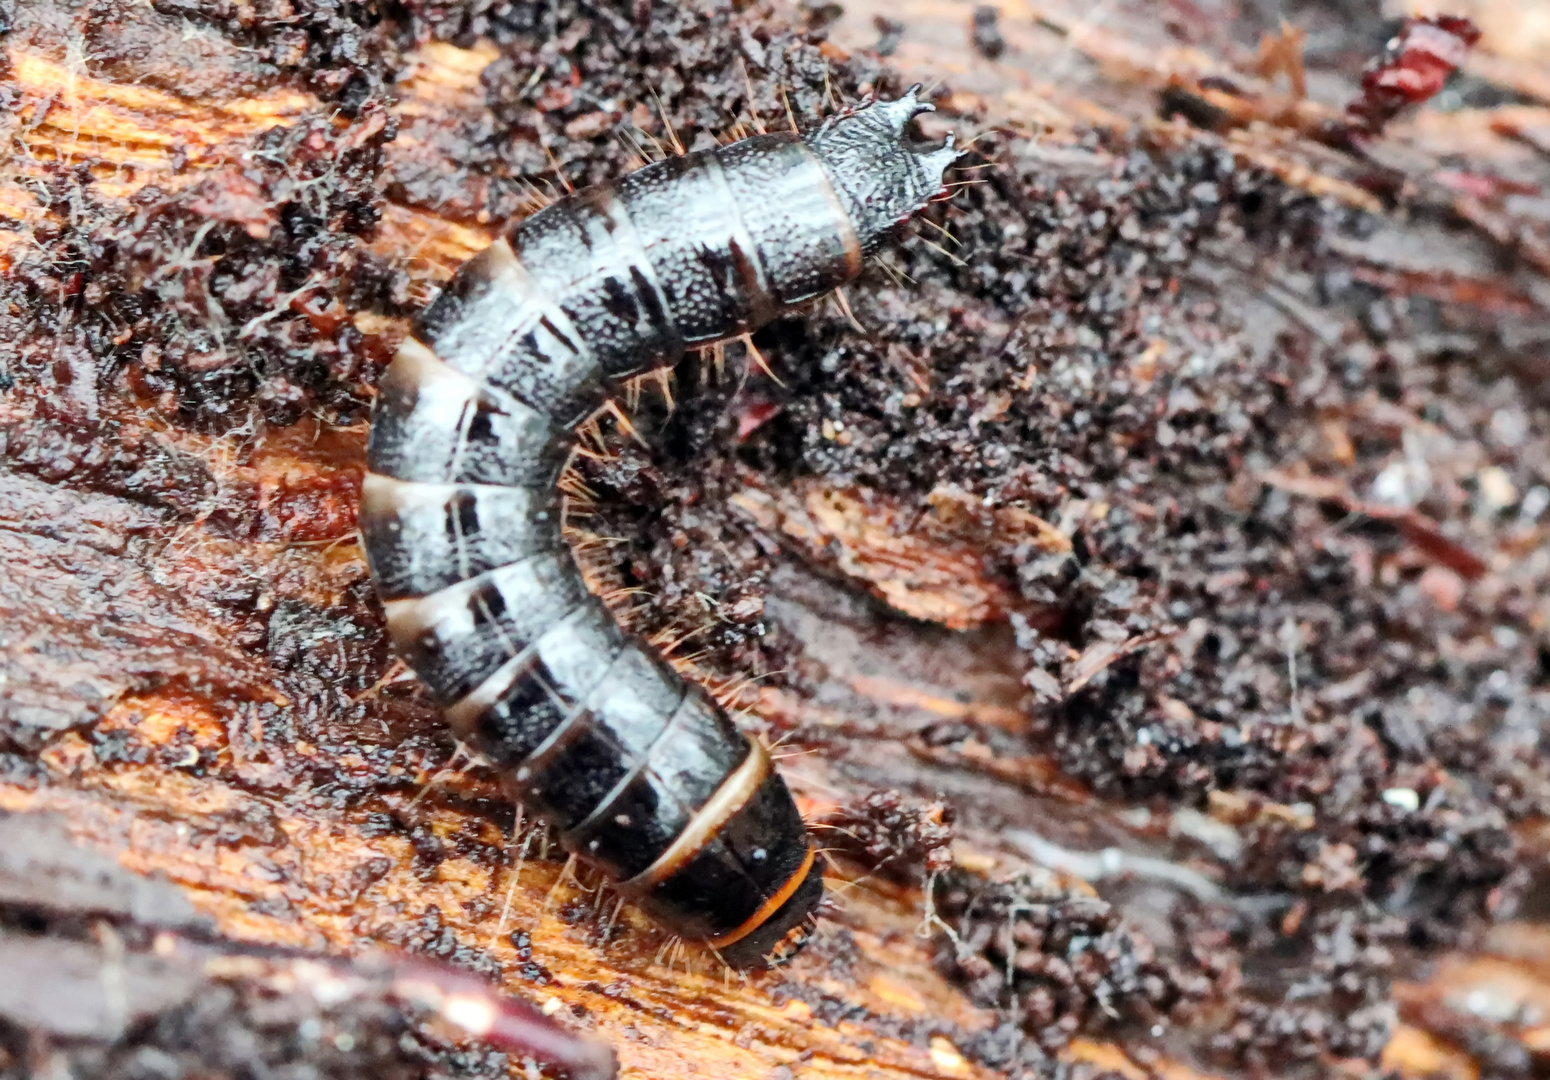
(984, 33)
(1066, 964)
(42, 872)
(330, 46)
(228, 303)
(1339, 1006)
(895, 836)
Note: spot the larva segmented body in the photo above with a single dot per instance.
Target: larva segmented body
(640, 773)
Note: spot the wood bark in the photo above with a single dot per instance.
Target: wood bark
(152, 656)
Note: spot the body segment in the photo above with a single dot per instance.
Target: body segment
(639, 772)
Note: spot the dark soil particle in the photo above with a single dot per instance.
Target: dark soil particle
(894, 836)
(327, 44)
(225, 305)
(1064, 964)
(984, 34)
(1337, 1005)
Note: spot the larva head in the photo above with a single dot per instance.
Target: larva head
(880, 179)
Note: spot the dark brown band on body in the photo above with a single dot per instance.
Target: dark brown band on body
(642, 274)
(463, 715)
(847, 228)
(730, 797)
(763, 305)
(769, 907)
(606, 805)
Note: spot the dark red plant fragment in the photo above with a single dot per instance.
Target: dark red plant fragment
(1413, 68)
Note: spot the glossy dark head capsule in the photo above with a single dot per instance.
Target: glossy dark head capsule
(881, 181)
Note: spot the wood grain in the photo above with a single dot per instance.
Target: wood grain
(246, 784)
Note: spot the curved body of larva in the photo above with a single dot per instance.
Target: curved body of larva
(638, 772)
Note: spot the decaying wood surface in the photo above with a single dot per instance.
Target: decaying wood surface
(195, 676)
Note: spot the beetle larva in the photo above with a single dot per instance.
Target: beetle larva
(640, 773)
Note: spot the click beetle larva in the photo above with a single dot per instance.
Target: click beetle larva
(640, 773)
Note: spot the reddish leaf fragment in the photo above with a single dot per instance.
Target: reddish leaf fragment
(753, 416)
(234, 198)
(465, 1001)
(1480, 186)
(1413, 68)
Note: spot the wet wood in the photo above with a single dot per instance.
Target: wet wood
(117, 621)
